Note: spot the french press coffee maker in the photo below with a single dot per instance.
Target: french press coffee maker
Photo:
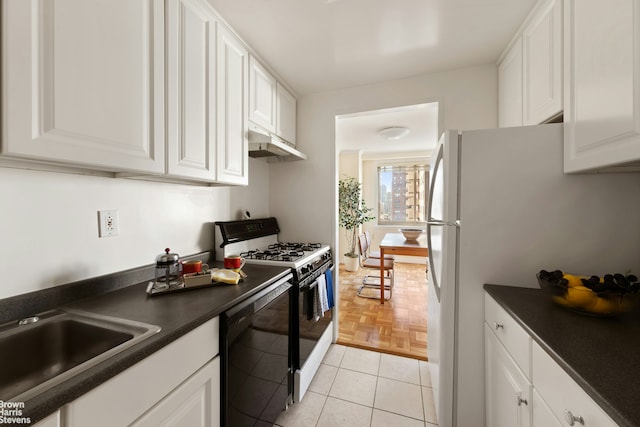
(168, 270)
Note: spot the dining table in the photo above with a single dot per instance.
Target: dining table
(396, 244)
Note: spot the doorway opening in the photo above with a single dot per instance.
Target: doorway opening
(399, 326)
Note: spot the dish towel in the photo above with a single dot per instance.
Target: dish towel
(329, 279)
(322, 288)
(317, 305)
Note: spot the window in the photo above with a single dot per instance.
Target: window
(402, 194)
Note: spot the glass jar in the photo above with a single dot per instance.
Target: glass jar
(168, 270)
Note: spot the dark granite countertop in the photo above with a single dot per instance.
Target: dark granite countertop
(601, 354)
(176, 313)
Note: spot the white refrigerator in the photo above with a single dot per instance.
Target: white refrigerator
(501, 209)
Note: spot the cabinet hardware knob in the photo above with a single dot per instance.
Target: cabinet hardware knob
(497, 325)
(572, 419)
(520, 400)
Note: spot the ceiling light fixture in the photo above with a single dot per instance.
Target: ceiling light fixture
(394, 132)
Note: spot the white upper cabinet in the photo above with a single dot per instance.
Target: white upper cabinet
(530, 71)
(510, 87)
(233, 120)
(542, 64)
(285, 114)
(83, 83)
(262, 96)
(271, 105)
(191, 90)
(602, 111)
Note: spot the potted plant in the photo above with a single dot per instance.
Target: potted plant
(352, 213)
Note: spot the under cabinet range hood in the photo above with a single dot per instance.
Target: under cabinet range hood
(265, 144)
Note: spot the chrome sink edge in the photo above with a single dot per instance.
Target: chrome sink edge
(139, 330)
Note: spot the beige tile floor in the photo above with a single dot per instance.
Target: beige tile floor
(355, 387)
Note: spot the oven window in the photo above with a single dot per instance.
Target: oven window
(310, 329)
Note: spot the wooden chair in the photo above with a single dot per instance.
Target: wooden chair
(373, 280)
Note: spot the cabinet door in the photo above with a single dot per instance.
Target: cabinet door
(286, 115)
(191, 90)
(262, 96)
(233, 125)
(541, 413)
(83, 83)
(602, 89)
(510, 87)
(195, 403)
(542, 64)
(52, 420)
(507, 389)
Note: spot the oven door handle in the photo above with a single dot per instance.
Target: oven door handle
(255, 298)
(311, 285)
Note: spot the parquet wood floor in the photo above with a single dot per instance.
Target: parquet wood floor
(399, 326)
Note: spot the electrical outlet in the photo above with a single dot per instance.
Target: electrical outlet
(108, 223)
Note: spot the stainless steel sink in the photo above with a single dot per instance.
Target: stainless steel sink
(42, 351)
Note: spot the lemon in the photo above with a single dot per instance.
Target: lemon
(573, 280)
(604, 306)
(560, 301)
(580, 296)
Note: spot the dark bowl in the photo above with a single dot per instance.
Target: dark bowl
(579, 298)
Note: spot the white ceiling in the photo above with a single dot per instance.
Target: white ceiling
(360, 131)
(323, 45)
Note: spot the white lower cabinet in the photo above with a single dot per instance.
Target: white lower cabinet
(508, 391)
(52, 420)
(531, 390)
(195, 403)
(178, 385)
(541, 413)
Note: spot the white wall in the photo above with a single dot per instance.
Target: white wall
(254, 197)
(303, 194)
(49, 225)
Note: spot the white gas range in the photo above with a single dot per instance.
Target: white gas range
(256, 240)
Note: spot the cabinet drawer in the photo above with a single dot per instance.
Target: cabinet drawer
(511, 335)
(562, 394)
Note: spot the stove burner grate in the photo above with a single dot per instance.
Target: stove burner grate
(287, 246)
(273, 254)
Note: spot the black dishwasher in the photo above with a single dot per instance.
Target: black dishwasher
(257, 368)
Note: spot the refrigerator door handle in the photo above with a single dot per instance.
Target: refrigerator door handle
(455, 223)
(436, 285)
